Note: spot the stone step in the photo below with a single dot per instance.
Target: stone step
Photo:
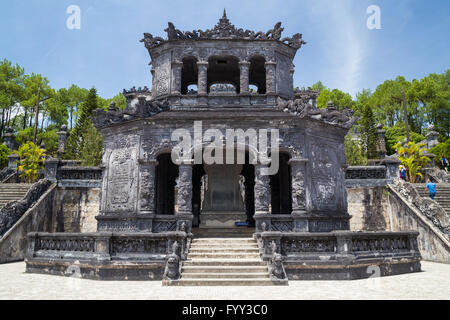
(224, 269)
(226, 255)
(229, 275)
(221, 249)
(6, 197)
(223, 241)
(224, 248)
(223, 262)
(223, 282)
(215, 246)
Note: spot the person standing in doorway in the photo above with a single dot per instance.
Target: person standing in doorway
(431, 186)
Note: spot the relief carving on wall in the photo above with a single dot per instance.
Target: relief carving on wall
(262, 191)
(324, 176)
(298, 191)
(121, 177)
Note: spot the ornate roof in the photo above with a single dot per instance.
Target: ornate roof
(223, 30)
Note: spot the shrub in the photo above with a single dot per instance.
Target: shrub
(31, 161)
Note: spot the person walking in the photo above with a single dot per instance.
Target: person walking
(431, 186)
(445, 163)
(402, 173)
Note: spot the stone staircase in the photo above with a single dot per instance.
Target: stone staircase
(442, 194)
(12, 192)
(224, 262)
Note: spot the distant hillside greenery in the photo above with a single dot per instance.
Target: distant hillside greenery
(427, 100)
(70, 106)
(427, 103)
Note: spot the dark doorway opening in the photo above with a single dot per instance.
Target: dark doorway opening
(166, 175)
(280, 186)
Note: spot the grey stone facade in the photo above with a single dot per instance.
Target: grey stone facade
(144, 194)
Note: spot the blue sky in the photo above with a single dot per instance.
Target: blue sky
(341, 51)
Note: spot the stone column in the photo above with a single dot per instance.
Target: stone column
(176, 77)
(184, 186)
(147, 185)
(298, 184)
(299, 194)
(10, 139)
(392, 163)
(381, 143)
(202, 87)
(244, 76)
(51, 169)
(12, 160)
(432, 137)
(262, 190)
(270, 77)
(62, 139)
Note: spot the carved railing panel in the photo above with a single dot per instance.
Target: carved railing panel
(369, 172)
(79, 173)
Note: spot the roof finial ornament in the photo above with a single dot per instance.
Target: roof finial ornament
(224, 13)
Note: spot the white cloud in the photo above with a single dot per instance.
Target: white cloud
(342, 28)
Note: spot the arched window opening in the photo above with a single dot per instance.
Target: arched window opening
(280, 186)
(257, 73)
(252, 88)
(192, 89)
(166, 175)
(224, 69)
(219, 88)
(189, 74)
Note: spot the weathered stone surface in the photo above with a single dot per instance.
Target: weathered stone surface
(13, 211)
(75, 209)
(38, 217)
(369, 208)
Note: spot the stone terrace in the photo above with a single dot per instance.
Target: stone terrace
(432, 283)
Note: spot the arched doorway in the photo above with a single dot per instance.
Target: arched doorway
(223, 195)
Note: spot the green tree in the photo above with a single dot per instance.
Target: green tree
(12, 91)
(441, 150)
(397, 133)
(354, 152)
(318, 86)
(4, 153)
(413, 158)
(32, 83)
(369, 133)
(91, 150)
(77, 136)
(340, 99)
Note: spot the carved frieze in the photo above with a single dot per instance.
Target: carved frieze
(223, 30)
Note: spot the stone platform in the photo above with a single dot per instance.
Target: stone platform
(337, 255)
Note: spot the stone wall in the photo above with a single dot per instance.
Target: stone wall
(378, 208)
(433, 244)
(13, 244)
(75, 209)
(369, 208)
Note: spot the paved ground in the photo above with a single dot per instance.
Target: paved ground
(432, 283)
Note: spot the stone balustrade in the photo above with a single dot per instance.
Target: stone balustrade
(365, 172)
(120, 254)
(338, 244)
